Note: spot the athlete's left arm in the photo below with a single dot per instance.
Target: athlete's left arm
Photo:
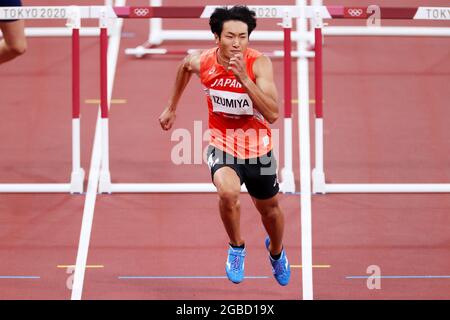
(264, 92)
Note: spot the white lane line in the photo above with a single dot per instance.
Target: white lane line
(399, 277)
(91, 194)
(19, 277)
(184, 277)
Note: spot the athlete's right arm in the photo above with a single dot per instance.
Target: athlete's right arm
(190, 65)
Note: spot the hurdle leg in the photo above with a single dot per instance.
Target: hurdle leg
(287, 174)
(77, 176)
(105, 176)
(155, 33)
(318, 175)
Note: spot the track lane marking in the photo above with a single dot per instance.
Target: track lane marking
(94, 170)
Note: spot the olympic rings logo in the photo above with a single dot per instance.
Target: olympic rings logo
(141, 12)
(355, 12)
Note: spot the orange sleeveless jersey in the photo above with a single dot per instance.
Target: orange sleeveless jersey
(236, 126)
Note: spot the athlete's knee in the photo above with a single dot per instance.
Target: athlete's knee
(17, 48)
(270, 210)
(229, 197)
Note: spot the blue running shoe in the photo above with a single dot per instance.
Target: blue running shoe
(235, 264)
(280, 268)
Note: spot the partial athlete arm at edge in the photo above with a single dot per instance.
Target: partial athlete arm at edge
(189, 65)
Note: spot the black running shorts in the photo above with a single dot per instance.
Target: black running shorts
(258, 174)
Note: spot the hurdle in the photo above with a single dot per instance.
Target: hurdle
(73, 17)
(318, 175)
(287, 177)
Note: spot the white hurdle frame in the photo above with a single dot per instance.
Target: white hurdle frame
(320, 186)
(77, 175)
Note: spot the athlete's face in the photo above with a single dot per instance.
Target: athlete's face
(234, 38)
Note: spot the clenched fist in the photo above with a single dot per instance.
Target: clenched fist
(167, 118)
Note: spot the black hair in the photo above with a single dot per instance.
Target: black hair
(239, 13)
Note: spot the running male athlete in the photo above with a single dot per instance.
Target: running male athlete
(242, 101)
(14, 42)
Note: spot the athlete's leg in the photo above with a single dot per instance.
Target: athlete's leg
(14, 42)
(228, 187)
(273, 220)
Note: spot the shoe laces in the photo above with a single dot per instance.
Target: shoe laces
(279, 266)
(236, 263)
(237, 258)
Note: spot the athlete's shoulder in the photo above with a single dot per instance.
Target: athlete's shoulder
(209, 52)
(261, 64)
(192, 61)
(253, 53)
(208, 55)
(207, 60)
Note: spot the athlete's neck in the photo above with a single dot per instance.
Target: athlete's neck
(221, 59)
